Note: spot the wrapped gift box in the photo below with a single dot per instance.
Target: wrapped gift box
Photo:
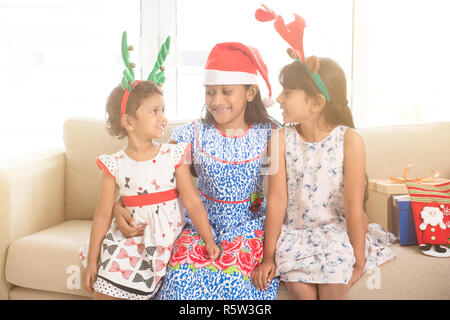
(403, 221)
(379, 206)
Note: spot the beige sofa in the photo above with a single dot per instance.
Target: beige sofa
(48, 200)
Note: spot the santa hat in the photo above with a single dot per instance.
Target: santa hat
(236, 63)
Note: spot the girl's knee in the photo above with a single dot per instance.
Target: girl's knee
(302, 291)
(332, 291)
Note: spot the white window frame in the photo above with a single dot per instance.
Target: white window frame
(360, 63)
(158, 20)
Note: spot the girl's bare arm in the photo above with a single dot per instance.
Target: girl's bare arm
(192, 202)
(103, 216)
(276, 209)
(277, 193)
(354, 186)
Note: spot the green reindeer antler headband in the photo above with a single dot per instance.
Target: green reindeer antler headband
(128, 82)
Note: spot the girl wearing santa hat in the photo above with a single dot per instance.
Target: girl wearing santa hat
(317, 238)
(228, 149)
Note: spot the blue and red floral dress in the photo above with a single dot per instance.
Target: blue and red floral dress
(230, 183)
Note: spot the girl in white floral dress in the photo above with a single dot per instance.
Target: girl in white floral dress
(317, 238)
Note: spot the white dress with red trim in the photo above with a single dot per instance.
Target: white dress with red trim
(132, 268)
(229, 170)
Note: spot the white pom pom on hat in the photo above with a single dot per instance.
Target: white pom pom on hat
(268, 102)
(236, 63)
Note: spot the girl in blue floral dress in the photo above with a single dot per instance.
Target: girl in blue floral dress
(228, 153)
(317, 238)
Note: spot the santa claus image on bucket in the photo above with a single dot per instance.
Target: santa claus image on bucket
(431, 209)
(434, 229)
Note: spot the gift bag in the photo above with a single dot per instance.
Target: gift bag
(431, 209)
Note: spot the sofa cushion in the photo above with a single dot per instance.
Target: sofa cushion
(48, 260)
(390, 149)
(386, 148)
(85, 140)
(20, 293)
(411, 275)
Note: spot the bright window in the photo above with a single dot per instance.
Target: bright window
(201, 24)
(407, 64)
(61, 58)
(58, 59)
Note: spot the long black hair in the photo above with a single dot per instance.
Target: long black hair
(255, 112)
(336, 111)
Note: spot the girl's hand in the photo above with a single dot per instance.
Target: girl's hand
(358, 271)
(213, 251)
(89, 278)
(126, 223)
(263, 274)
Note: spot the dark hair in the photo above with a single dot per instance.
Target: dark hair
(255, 111)
(336, 111)
(142, 91)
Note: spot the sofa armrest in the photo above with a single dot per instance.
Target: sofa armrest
(31, 199)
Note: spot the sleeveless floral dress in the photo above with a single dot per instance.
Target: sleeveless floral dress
(132, 268)
(314, 246)
(229, 170)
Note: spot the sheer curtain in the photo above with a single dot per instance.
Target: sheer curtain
(394, 53)
(408, 62)
(58, 59)
(201, 24)
(61, 58)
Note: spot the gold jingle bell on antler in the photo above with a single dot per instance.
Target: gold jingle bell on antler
(130, 48)
(162, 68)
(132, 65)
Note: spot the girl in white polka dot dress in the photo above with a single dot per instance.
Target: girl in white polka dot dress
(150, 177)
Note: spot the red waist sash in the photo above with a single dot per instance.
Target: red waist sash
(148, 199)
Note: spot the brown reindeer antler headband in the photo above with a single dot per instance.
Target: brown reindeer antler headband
(292, 33)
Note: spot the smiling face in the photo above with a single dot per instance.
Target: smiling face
(296, 105)
(149, 121)
(227, 103)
